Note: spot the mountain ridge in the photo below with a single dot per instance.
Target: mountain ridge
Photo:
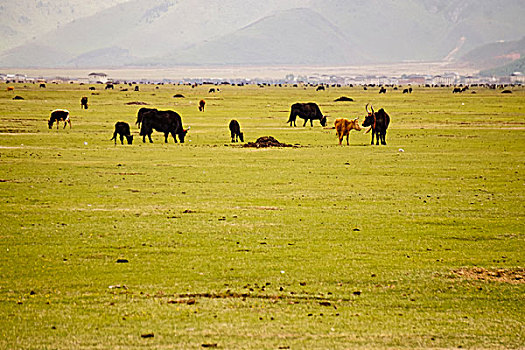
(171, 32)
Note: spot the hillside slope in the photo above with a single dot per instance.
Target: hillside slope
(334, 32)
(23, 20)
(506, 70)
(296, 36)
(495, 54)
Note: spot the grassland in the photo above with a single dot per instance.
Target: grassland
(417, 244)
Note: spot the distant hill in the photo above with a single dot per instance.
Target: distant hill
(24, 20)
(495, 54)
(506, 70)
(300, 36)
(117, 33)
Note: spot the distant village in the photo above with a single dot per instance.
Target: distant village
(448, 79)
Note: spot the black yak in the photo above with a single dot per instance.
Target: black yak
(378, 122)
(122, 129)
(235, 130)
(306, 111)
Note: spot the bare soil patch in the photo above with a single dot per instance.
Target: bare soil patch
(512, 275)
(267, 141)
(138, 103)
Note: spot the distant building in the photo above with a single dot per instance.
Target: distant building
(20, 78)
(517, 77)
(97, 78)
(412, 79)
(446, 79)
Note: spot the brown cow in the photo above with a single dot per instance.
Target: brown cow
(343, 127)
(201, 105)
(10, 88)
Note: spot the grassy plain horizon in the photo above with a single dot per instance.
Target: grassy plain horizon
(417, 244)
(249, 72)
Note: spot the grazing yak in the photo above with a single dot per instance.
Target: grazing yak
(459, 90)
(140, 115)
(378, 122)
(343, 127)
(306, 111)
(84, 103)
(59, 115)
(235, 130)
(202, 103)
(168, 122)
(122, 129)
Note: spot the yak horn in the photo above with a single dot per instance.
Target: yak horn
(372, 108)
(366, 108)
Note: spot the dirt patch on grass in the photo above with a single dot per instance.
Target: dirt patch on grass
(138, 103)
(291, 298)
(267, 208)
(14, 131)
(267, 141)
(512, 276)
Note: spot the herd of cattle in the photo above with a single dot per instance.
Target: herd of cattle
(170, 122)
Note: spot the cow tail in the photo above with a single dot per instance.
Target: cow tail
(292, 116)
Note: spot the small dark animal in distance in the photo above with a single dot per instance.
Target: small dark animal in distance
(235, 130)
(344, 99)
(458, 90)
(202, 103)
(84, 103)
(122, 129)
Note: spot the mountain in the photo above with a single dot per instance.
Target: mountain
(506, 70)
(495, 54)
(24, 20)
(280, 38)
(117, 33)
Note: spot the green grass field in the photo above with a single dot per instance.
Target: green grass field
(315, 247)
